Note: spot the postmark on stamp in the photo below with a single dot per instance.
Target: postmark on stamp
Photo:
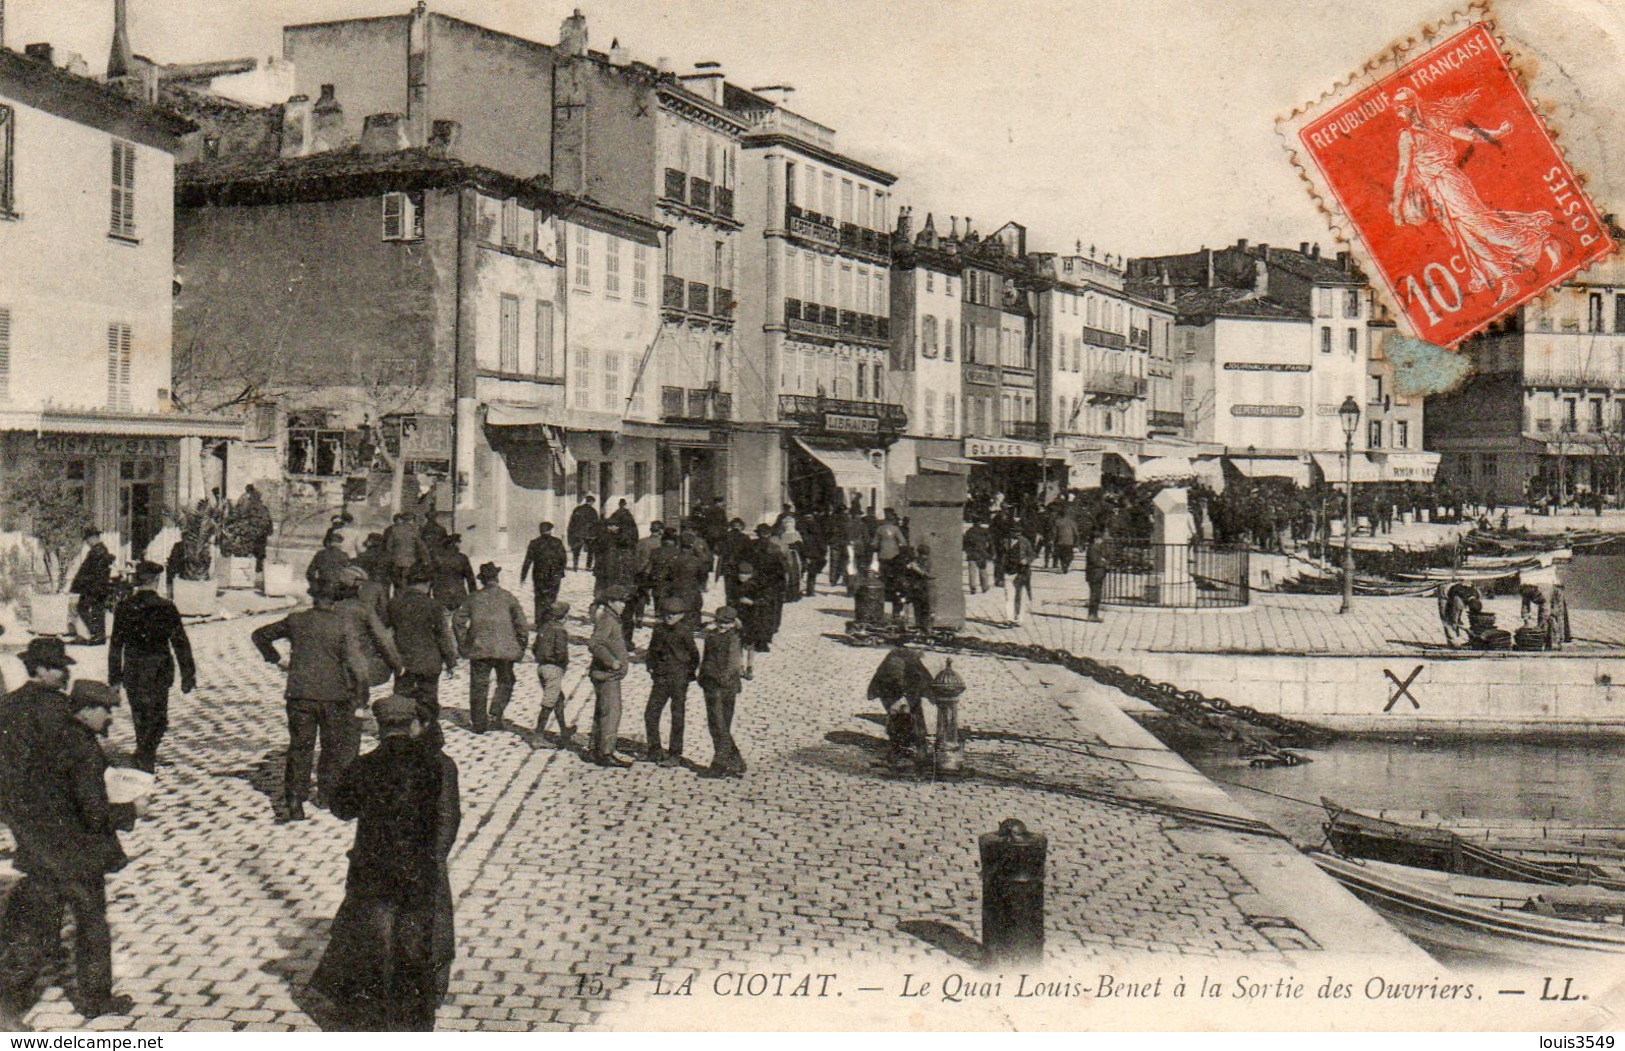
(1438, 167)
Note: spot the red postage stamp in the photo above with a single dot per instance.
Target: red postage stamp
(1441, 168)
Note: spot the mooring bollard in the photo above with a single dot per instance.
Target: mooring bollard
(869, 605)
(1013, 894)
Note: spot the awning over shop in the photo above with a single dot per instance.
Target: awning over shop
(1407, 466)
(852, 468)
(131, 425)
(1361, 470)
(948, 464)
(666, 432)
(1271, 467)
(1162, 468)
(514, 414)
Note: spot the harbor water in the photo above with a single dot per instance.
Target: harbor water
(1579, 780)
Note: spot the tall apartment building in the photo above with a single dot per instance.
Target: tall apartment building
(86, 250)
(1543, 412)
(815, 308)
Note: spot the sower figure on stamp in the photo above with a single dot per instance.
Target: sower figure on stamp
(901, 684)
(673, 659)
(53, 795)
(149, 643)
(719, 677)
(393, 934)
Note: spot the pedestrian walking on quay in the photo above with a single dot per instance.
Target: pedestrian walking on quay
(492, 633)
(393, 937)
(712, 522)
(684, 581)
(769, 569)
(1016, 560)
(149, 643)
(403, 542)
(327, 683)
(1065, 536)
(673, 660)
(1096, 567)
(552, 652)
(326, 565)
(787, 538)
(624, 520)
(733, 549)
(921, 578)
(978, 544)
(756, 603)
(53, 797)
(453, 573)
(649, 559)
(582, 532)
(545, 563)
(93, 583)
(609, 658)
(363, 601)
(424, 641)
(719, 678)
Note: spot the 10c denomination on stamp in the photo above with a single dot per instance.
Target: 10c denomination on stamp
(1451, 183)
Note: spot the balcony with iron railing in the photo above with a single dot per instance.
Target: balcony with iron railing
(678, 404)
(1592, 378)
(722, 202)
(1099, 338)
(1165, 418)
(699, 297)
(813, 319)
(672, 292)
(811, 409)
(724, 302)
(676, 188)
(811, 225)
(1025, 430)
(1117, 384)
(1139, 338)
(699, 194)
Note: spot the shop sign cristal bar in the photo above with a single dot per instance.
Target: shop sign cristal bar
(842, 423)
(99, 445)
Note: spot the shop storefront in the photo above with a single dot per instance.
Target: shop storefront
(1026, 473)
(129, 475)
(838, 451)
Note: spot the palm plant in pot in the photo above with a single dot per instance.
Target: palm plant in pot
(196, 593)
(46, 507)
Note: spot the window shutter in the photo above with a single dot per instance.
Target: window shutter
(414, 203)
(112, 366)
(6, 143)
(545, 365)
(124, 368)
(5, 354)
(394, 216)
(121, 221)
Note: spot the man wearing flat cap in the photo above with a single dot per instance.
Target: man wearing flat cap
(93, 583)
(53, 795)
(149, 643)
(392, 940)
(609, 659)
(552, 658)
(672, 660)
(492, 632)
(424, 640)
(545, 562)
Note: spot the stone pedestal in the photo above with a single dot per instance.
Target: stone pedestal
(1172, 528)
(935, 506)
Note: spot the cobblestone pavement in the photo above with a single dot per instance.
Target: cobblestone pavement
(1272, 623)
(576, 885)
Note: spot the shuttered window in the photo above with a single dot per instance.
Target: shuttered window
(5, 354)
(510, 334)
(403, 217)
(8, 121)
(123, 191)
(546, 365)
(118, 367)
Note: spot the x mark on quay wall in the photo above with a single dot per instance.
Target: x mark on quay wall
(1402, 689)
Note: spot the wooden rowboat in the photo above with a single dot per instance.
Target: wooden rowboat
(1467, 917)
(1543, 860)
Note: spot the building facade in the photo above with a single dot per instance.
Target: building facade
(925, 377)
(1542, 415)
(86, 247)
(815, 311)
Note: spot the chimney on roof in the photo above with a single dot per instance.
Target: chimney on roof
(384, 133)
(1303, 247)
(444, 138)
(953, 227)
(1261, 277)
(573, 35)
(617, 54)
(905, 222)
(75, 63)
(41, 53)
(120, 62)
(778, 94)
(705, 81)
(1344, 260)
(1315, 250)
(327, 122)
(1241, 244)
(296, 127)
(1264, 250)
(928, 232)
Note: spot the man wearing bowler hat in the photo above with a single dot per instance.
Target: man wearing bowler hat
(492, 631)
(53, 795)
(149, 643)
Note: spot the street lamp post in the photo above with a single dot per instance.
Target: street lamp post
(1349, 413)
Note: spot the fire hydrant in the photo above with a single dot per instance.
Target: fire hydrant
(946, 689)
(1013, 895)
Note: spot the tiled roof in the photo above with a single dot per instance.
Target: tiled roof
(1321, 270)
(1200, 304)
(328, 164)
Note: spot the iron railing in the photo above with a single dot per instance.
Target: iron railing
(1177, 576)
(671, 292)
(699, 194)
(1025, 430)
(678, 403)
(810, 409)
(676, 185)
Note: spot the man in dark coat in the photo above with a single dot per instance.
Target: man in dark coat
(719, 677)
(647, 555)
(713, 526)
(425, 643)
(492, 634)
(552, 653)
(393, 937)
(326, 569)
(545, 563)
(672, 661)
(327, 682)
(93, 583)
(732, 549)
(149, 643)
(624, 520)
(901, 684)
(1096, 566)
(404, 542)
(454, 578)
(769, 562)
(814, 547)
(582, 532)
(53, 795)
(682, 581)
(609, 659)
